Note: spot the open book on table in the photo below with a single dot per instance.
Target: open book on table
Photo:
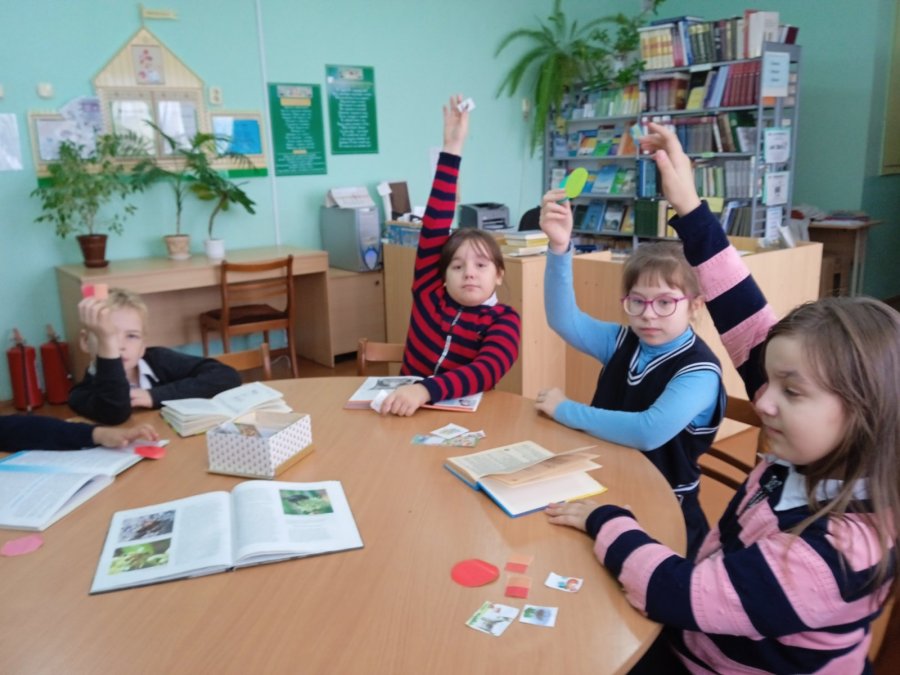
(190, 416)
(38, 487)
(257, 522)
(525, 477)
(370, 390)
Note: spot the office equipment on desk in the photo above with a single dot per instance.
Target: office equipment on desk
(484, 216)
(352, 237)
(246, 308)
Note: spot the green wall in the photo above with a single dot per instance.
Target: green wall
(421, 52)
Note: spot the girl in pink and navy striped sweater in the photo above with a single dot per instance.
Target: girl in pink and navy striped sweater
(460, 339)
(804, 556)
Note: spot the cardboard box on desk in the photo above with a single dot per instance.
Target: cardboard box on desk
(260, 444)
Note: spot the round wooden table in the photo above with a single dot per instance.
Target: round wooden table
(390, 607)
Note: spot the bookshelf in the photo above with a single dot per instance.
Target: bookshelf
(735, 114)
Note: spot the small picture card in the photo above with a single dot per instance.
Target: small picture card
(493, 618)
(449, 431)
(517, 586)
(467, 440)
(518, 562)
(560, 583)
(539, 616)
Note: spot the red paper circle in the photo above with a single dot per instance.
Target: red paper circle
(474, 572)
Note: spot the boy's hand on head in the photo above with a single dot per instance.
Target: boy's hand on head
(140, 398)
(119, 437)
(556, 219)
(96, 318)
(674, 168)
(548, 399)
(405, 400)
(456, 126)
(573, 514)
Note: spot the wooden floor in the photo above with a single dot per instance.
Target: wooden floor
(713, 496)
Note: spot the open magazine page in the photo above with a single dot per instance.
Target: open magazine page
(34, 500)
(374, 386)
(276, 520)
(92, 461)
(183, 538)
(505, 459)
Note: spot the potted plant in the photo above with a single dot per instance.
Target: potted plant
(212, 185)
(190, 167)
(563, 55)
(81, 182)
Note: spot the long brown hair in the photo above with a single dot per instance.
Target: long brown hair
(853, 345)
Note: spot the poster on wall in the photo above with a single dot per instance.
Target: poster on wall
(351, 109)
(298, 130)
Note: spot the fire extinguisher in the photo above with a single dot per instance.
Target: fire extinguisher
(26, 393)
(55, 363)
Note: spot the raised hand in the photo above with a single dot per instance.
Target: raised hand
(456, 126)
(556, 219)
(674, 168)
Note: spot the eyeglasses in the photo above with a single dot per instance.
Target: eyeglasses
(663, 305)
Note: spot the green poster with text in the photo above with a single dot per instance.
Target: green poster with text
(298, 130)
(351, 109)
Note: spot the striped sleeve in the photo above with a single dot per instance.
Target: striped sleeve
(737, 305)
(436, 222)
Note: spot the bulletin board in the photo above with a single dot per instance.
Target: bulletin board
(351, 109)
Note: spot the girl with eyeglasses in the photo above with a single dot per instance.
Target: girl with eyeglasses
(660, 389)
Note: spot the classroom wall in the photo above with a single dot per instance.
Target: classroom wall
(421, 51)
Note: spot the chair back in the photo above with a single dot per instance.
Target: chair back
(248, 360)
(237, 290)
(530, 220)
(377, 352)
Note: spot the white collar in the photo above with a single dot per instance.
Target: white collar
(146, 377)
(793, 494)
(491, 301)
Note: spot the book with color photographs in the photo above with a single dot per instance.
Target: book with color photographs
(258, 522)
(369, 391)
(189, 416)
(38, 487)
(525, 477)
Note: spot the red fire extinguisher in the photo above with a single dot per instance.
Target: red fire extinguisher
(55, 363)
(26, 393)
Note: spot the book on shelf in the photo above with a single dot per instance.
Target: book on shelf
(624, 181)
(190, 416)
(525, 477)
(587, 141)
(593, 216)
(607, 141)
(370, 390)
(613, 216)
(606, 176)
(38, 487)
(527, 238)
(257, 522)
(628, 220)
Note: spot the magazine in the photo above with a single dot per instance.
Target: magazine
(376, 388)
(259, 521)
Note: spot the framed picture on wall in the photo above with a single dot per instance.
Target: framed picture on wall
(49, 130)
(241, 132)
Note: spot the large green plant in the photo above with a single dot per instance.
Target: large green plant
(81, 182)
(563, 54)
(189, 167)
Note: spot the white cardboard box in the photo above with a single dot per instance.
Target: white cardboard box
(252, 455)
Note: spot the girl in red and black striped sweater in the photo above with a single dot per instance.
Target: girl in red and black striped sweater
(460, 338)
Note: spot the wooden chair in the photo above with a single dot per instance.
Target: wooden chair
(246, 290)
(377, 352)
(248, 360)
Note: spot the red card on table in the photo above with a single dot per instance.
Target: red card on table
(518, 562)
(517, 586)
(22, 545)
(474, 572)
(150, 451)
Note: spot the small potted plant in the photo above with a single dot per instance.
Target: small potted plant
(212, 185)
(189, 167)
(81, 182)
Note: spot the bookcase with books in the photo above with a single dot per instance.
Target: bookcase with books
(729, 90)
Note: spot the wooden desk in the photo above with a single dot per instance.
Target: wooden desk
(177, 291)
(390, 607)
(845, 241)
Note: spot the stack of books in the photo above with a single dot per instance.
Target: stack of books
(519, 244)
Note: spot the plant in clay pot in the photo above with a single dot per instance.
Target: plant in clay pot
(82, 182)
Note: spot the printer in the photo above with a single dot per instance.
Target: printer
(484, 216)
